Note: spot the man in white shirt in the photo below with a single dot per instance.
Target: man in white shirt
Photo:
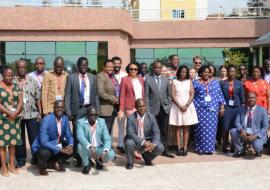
(94, 140)
(117, 61)
(143, 135)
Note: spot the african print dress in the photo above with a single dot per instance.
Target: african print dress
(10, 132)
(207, 100)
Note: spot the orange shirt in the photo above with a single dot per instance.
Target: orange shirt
(260, 87)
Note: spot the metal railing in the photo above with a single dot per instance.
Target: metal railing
(125, 4)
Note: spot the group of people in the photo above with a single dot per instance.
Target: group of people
(152, 111)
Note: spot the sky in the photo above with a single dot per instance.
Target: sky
(228, 5)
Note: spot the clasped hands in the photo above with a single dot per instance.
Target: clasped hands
(148, 146)
(67, 150)
(247, 137)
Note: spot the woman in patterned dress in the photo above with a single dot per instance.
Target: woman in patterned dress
(10, 107)
(209, 101)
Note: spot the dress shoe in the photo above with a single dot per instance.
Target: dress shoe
(146, 161)
(99, 165)
(258, 154)
(224, 149)
(184, 152)
(43, 172)
(86, 169)
(121, 149)
(33, 161)
(78, 162)
(62, 168)
(178, 152)
(129, 166)
(239, 154)
(167, 154)
(232, 149)
(13, 170)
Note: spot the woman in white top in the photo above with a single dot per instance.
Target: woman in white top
(183, 113)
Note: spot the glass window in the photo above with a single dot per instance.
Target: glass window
(212, 52)
(91, 48)
(93, 62)
(70, 48)
(186, 61)
(147, 61)
(71, 62)
(15, 48)
(40, 48)
(162, 53)
(178, 13)
(10, 59)
(144, 53)
(188, 52)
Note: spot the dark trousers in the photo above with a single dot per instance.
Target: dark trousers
(32, 127)
(163, 123)
(131, 146)
(109, 120)
(44, 156)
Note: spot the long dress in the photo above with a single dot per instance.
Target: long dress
(177, 117)
(10, 131)
(207, 111)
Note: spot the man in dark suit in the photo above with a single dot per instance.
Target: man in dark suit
(81, 92)
(158, 101)
(142, 135)
(108, 92)
(54, 142)
(251, 127)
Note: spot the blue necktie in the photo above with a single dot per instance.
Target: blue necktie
(82, 90)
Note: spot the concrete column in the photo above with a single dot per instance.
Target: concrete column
(260, 56)
(254, 56)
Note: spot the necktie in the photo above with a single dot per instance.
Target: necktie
(249, 119)
(82, 90)
(158, 82)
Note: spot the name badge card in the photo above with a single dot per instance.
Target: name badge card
(208, 98)
(24, 100)
(12, 109)
(231, 102)
(59, 145)
(58, 97)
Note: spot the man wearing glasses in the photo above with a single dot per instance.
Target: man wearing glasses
(197, 63)
(94, 140)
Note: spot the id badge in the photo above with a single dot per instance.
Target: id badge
(59, 145)
(231, 102)
(12, 109)
(249, 131)
(24, 100)
(208, 98)
(58, 97)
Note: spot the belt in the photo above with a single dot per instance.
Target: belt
(85, 105)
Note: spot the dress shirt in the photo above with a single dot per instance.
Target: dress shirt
(38, 77)
(141, 128)
(119, 76)
(59, 126)
(86, 89)
(137, 88)
(158, 81)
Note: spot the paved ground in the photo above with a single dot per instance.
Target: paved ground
(192, 172)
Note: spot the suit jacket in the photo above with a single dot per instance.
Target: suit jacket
(107, 98)
(72, 94)
(151, 129)
(259, 121)
(238, 92)
(84, 133)
(127, 94)
(48, 134)
(155, 97)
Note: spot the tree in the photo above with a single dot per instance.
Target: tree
(234, 57)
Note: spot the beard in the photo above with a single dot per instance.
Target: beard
(117, 68)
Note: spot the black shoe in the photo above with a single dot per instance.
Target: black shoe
(99, 165)
(146, 161)
(167, 154)
(20, 165)
(258, 154)
(33, 161)
(239, 154)
(232, 149)
(184, 152)
(86, 169)
(224, 149)
(178, 152)
(121, 149)
(78, 162)
(129, 166)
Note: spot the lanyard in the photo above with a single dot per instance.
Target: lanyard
(206, 84)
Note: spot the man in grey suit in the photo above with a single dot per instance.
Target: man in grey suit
(251, 127)
(142, 135)
(158, 100)
(80, 93)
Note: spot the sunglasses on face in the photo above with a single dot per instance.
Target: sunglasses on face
(198, 63)
(40, 63)
(133, 69)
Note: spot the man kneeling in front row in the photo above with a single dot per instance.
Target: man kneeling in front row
(54, 142)
(143, 135)
(251, 127)
(94, 140)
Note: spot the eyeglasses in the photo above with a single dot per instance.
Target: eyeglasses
(133, 69)
(40, 63)
(198, 63)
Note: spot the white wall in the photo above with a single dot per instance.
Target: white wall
(149, 10)
(201, 9)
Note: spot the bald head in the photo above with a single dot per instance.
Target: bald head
(140, 106)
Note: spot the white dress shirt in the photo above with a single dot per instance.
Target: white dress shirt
(137, 88)
(119, 76)
(86, 89)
